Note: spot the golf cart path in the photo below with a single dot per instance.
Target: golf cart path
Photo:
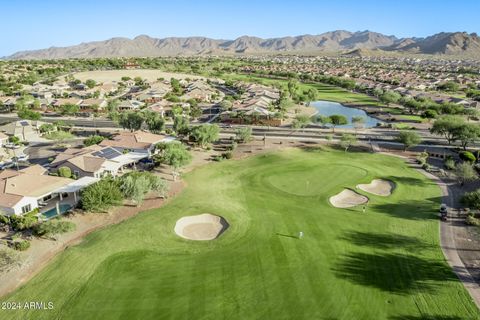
(448, 244)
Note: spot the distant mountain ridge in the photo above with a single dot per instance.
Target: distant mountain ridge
(452, 43)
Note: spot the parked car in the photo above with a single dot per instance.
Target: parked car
(7, 165)
(21, 158)
(12, 145)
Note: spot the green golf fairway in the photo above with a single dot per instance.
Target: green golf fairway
(382, 264)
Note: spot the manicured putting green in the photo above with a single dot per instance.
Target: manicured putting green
(382, 264)
(315, 180)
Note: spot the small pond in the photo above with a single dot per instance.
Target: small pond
(328, 108)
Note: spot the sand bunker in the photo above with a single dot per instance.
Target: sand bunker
(200, 227)
(347, 198)
(378, 187)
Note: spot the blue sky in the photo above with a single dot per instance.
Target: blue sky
(41, 24)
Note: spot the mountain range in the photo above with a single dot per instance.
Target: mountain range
(340, 41)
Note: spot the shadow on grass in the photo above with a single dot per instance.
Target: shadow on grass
(286, 235)
(425, 317)
(409, 181)
(396, 273)
(384, 240)
(411, 209)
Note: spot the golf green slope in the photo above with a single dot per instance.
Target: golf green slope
(382, 264)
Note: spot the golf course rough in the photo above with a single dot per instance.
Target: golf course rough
(383, 264)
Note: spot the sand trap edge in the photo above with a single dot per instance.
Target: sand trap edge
(218, 222)
(347, 198)
(379, 187)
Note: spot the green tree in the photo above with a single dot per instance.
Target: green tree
(471, 199)
(324, 120)
(28, 114)
(408, 139)
(243, 135)
(69, 109)
(181, 125)
(101, 196)
(173, 154)
(311, 95)
(90, 83)
(65, 172)
(154, 121)
(94, 139)
(337, 120)
(301, 121)
(465, 173)
(347, 140)
(131, 120)
(358, 122)
(205, 134)
(448, 126)
(390, 97)
(468, 133)
(225, 105)
(9, 259)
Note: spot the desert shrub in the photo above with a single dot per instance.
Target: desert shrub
(472, 221)
(91, 140)
(4, 219)
(9, 259)
(53, 227)
(471, 199)
(227, 155)
(21, 245)
(449, 164)
(467, 156)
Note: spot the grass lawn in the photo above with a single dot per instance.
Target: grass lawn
(413, 118)
(325, 91)
(382, 264)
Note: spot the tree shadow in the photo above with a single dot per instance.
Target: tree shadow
(411, 209)
(425, 317)
(384, 240)
(396, 273)
(410, 181)
(286, 235)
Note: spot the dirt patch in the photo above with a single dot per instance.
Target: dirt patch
(347, 199)
(379, 187)
(200, 227)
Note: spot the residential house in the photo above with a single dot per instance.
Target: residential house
(25, 130)
(31, 188)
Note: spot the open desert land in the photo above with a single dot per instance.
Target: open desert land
(116, 75)
(384, 263)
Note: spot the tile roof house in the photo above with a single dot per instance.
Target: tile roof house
(21, 191)
(138, 141)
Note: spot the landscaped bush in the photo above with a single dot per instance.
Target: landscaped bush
(24, 222)
(467, 156)
(472, 221)
(471, 199)
(135, 185)
(65, 172)
(21, 245)
(101, 196)
(449, 164)
(95, 139)
(4, 219)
